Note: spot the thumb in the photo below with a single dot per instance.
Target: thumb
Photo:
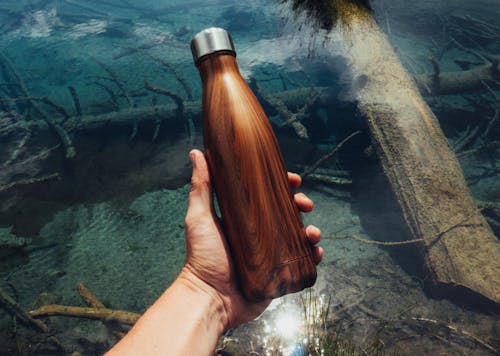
(200, 195)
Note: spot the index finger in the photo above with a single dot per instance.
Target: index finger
(294, 179)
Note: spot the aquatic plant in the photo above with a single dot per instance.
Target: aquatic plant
(302, 325)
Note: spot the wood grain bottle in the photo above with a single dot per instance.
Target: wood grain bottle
(261, 221)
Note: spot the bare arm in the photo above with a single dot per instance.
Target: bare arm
(187, 319)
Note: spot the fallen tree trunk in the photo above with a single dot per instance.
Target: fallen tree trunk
(30, 156)
(459, 246)
(458, 82)
(485, 77)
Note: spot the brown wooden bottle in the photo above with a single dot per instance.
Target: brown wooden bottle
(261, 221)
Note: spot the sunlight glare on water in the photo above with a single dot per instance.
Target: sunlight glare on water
(294, 323)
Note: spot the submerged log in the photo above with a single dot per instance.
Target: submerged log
(481, 78)
(458, 82)
(103, 314)
(31, 155)
(12, 307)
(459, 246)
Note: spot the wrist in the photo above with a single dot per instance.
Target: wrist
(207, 295)
(188, 319)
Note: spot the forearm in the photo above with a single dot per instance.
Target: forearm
(187, 319)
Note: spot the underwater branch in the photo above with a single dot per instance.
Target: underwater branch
(458, 82)
(103, 314)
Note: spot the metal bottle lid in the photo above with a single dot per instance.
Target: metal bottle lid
(210, 40)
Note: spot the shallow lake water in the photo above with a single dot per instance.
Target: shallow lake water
(94, 167)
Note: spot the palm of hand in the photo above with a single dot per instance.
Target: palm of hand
(208, 256)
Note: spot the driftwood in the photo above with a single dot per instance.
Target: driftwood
(76, 101)
(143, 118)
(44, 100)
(167, 117)
(88, 296)
(460, 249)
(104, 314)
(10, 73)
(176, 98)
(14, 309)
(324, 96)
(282, 109)
(452, 329)
(96, 311)
(473, 80)
(174, 71)
(94, 302)
(456, 83)
(11, 306)
(372, 242)
(326, 157)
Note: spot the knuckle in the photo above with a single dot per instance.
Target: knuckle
(199, 183)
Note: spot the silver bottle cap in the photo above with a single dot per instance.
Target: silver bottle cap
(213, 39)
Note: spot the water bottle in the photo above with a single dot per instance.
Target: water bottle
(261, 221)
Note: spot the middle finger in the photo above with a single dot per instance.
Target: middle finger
(303, 202)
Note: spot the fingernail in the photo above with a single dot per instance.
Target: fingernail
(305, 197)
(313, 229)
(192, 157)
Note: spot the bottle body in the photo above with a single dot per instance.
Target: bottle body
(261, 220)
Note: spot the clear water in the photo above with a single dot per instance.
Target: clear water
(112, 216)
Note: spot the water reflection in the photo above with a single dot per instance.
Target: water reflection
(294, 325)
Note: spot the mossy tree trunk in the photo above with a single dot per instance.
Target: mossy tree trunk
(460, 248)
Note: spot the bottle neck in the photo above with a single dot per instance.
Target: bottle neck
(218, 63)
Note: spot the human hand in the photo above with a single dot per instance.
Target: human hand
(209, 266)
